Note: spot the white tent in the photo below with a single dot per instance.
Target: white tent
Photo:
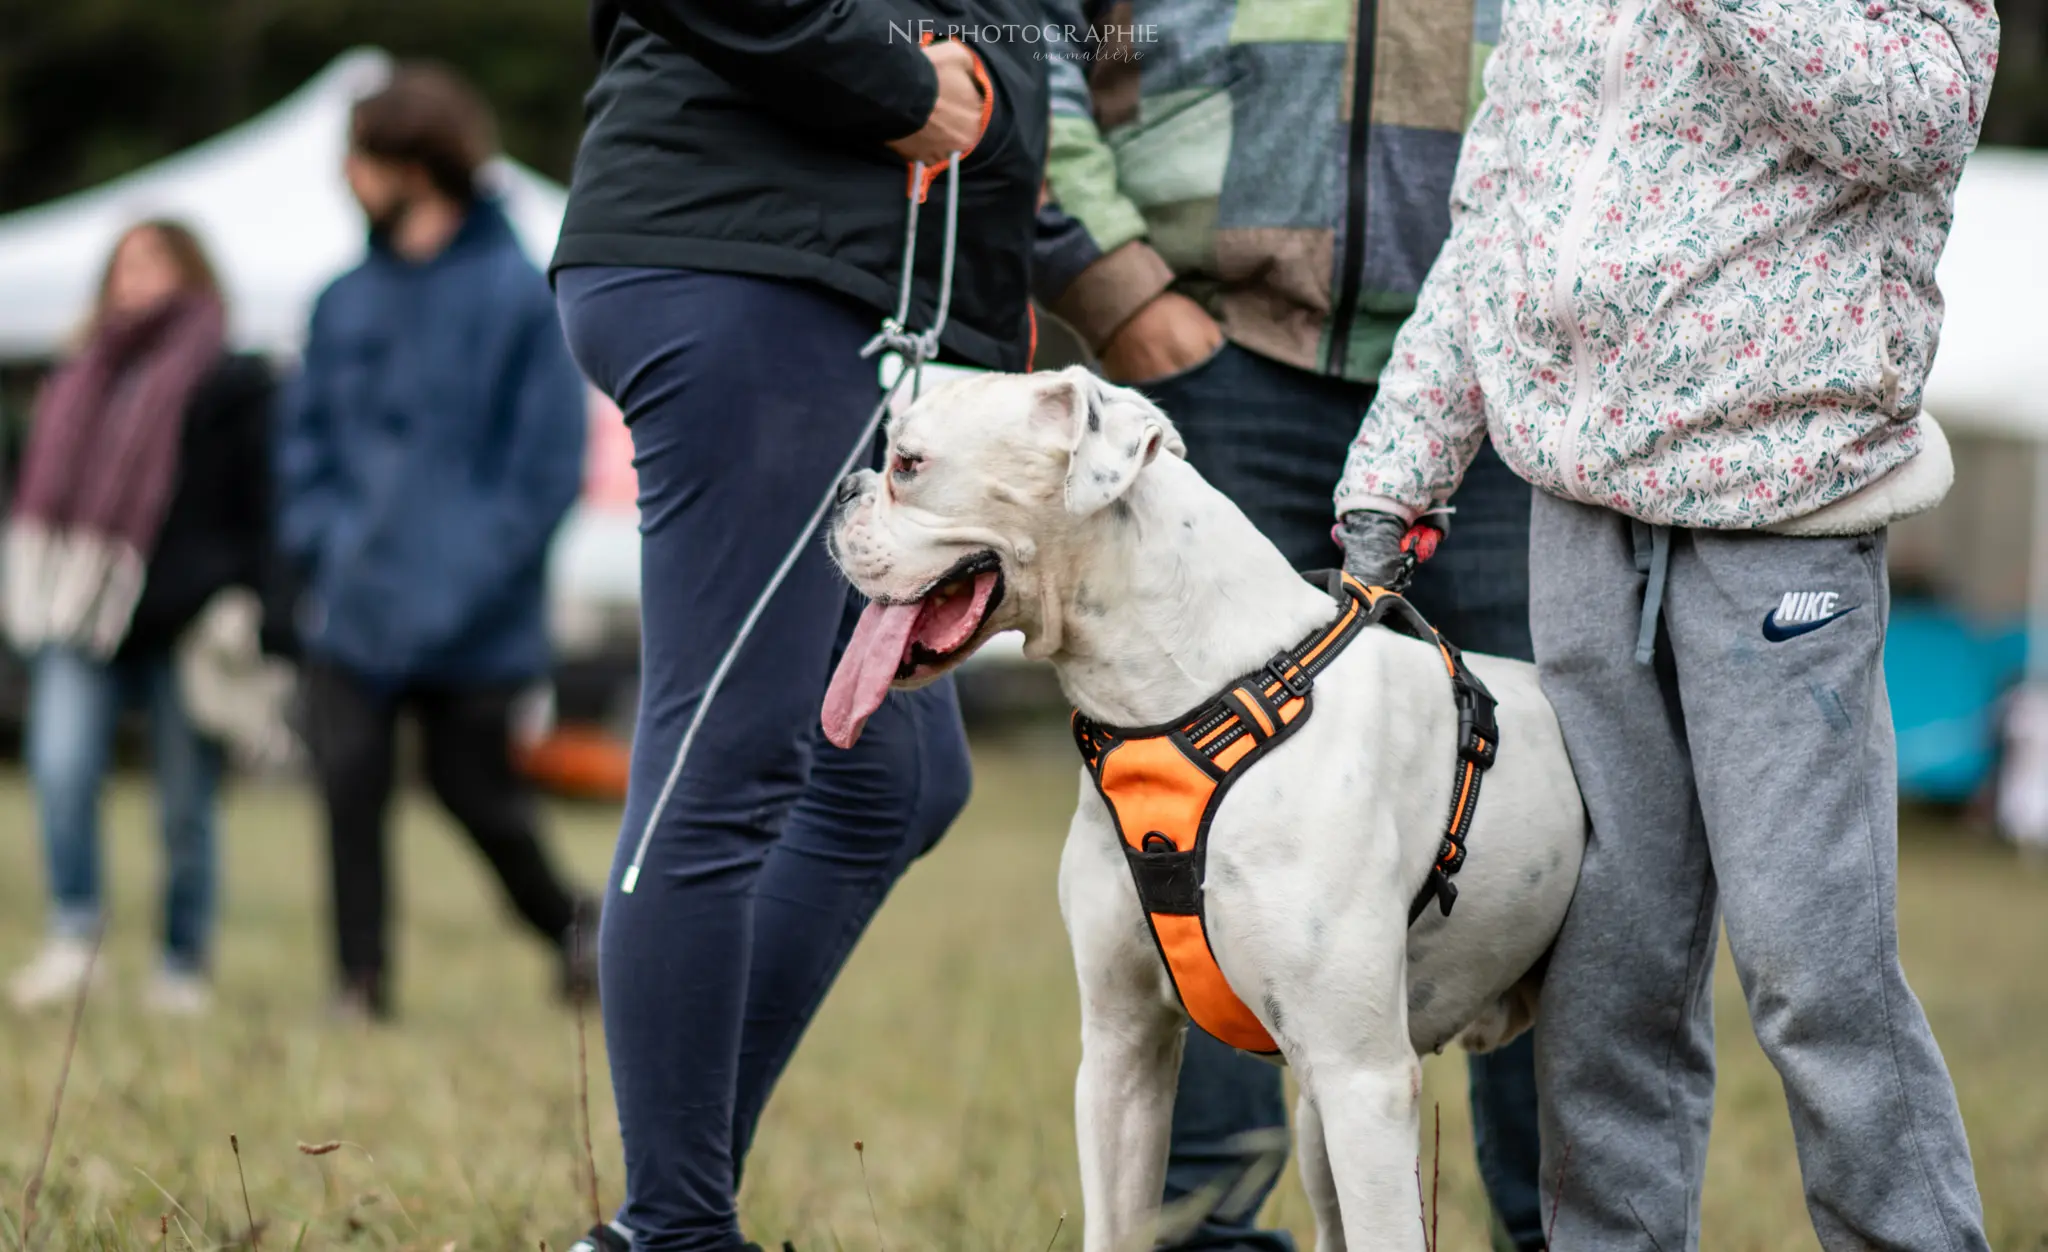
(1987, 379)
(268, 201)
(1987, 376)
(266, 198)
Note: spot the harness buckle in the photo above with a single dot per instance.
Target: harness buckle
(1445, 890)
(1478, 731)
(1298, 684)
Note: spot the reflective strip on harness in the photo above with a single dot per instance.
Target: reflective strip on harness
(1162, 785)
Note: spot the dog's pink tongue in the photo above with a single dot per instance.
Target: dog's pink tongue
(873, 656)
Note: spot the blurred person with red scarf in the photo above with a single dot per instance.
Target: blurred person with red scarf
(143, 497)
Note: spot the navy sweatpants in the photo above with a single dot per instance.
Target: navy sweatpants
(773, 848)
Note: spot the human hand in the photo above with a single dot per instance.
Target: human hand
(1170, 334)
(1372, 546)
(956, 121)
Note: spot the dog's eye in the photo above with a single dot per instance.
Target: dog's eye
(905, 465)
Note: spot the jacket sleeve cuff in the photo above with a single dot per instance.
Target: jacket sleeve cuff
(1378, 504)
(1109, 292)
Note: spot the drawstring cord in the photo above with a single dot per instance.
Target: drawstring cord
(1653, 591)
(895, 336)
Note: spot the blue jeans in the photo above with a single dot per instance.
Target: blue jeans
(73, 705)
(772, 848)
(1273, 439)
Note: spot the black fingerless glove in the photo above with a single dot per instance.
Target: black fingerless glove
(1372, 546)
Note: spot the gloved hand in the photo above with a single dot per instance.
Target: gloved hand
(1372, 545)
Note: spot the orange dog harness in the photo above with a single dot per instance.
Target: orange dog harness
(1163, 784)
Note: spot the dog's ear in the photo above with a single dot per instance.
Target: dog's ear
(1111, 432)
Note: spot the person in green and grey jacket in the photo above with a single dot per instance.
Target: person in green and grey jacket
(1244, 198)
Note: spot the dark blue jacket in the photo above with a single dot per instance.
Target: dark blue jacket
(430, 445)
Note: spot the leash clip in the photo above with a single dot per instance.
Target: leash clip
(1478, 730)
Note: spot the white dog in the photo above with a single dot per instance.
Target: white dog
(1041, 503)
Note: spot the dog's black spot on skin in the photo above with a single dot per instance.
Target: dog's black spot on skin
(1132, 449)
(1108, 478)
(1420, 995)
(1187, 523)
(1273, 1013)
(1557, 858)
(1317, 928)
(1120, 510)
(1533, 875)
(1094, 417)
(1085, 605)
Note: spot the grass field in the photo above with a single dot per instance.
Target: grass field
(948, 1049)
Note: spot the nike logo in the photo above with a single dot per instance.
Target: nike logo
(1778, 632)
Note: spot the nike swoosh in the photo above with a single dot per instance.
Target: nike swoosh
(1779, 634)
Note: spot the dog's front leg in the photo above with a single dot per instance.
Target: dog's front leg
(1131, 1031)
(1360, 1069)
(1123, 1112)
(1369, 1128)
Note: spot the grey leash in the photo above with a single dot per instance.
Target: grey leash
(915, 348)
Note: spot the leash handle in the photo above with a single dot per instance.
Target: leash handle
(1421, 540)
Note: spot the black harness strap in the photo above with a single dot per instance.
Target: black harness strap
(1478, 741)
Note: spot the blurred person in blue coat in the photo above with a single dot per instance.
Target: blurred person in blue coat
(430, 446)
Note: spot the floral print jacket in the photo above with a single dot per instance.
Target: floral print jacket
(1691, 269)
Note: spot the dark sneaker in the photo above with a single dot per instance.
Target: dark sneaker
(611, 1237)
(614, 1237)
(364, 1000)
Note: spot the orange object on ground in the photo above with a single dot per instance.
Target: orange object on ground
(579, 761)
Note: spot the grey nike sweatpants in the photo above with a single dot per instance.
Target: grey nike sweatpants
(1745, 771)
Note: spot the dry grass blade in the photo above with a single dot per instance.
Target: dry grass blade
(183, 1212)
(319, 1149)
(1057, 1227)
(255, 1233)
(1557, 1196)
(35, 1179)
(1436, 1174)
(860, 1150)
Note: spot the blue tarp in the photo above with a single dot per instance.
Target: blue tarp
(1946, 677)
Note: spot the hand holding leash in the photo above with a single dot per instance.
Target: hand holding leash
(960, 113)
(1381, 550)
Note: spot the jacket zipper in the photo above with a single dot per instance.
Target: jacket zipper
(1351, 276)
(1606, 139)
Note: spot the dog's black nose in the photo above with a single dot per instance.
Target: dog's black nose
(849, 487)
